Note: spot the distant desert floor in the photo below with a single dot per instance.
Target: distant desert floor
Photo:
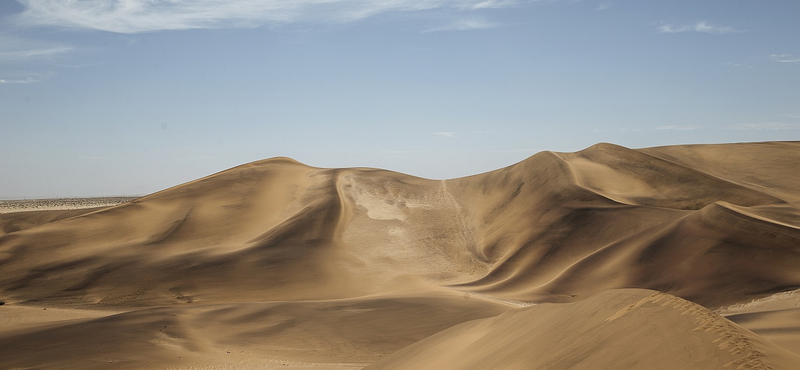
(21, 205)
(679, 257)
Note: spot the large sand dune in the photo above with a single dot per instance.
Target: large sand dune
(616, 329)
(275, 264)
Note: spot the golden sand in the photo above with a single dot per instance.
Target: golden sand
(607, 258)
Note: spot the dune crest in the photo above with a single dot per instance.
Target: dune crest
(616, 329)
(272, 256)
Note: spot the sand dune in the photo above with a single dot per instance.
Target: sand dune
(612, 330)
(656, 225)
(350, 333)
(279, 264)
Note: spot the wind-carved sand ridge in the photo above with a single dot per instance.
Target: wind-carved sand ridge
(276, 264)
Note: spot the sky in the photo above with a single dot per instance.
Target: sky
(128, 97)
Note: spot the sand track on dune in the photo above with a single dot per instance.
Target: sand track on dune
(276, 264)
(406, 227)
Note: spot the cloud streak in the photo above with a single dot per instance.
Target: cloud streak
(784, 58)
(779, 122)
(464, 25)
(704, 27)
(678, 128)
(25, 81)
(136, 16)
(735, 65)
(15, 50)
(777, 125)
(446, 134)
(28, 54)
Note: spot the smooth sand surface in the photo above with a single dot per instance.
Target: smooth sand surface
(615, 329)
(275, 264)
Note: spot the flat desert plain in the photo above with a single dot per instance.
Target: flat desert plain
(679, 257)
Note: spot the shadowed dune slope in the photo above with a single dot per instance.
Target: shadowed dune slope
(16, 221)
(781, 327)
(276, 263)
(269, 230)
(616, 329)
(559, 227)
(206, 234)
(342, 334)
(763, 167)
(555, 227)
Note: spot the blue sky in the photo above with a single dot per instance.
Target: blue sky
(127, 97)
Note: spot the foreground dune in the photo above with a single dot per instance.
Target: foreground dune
(616, 329)
(278, 264)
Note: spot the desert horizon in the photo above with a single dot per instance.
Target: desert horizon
(399, 185)
(666, 257)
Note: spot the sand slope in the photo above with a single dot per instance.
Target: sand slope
(616, 329)
(339, 267)
(340, 333)
(559, 225)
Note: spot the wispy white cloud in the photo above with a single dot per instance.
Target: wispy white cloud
(785, 58)
(15, 50)
(24, 77)
(697, 27)
(773, 125)
(679, 127)
(718, 30)
(734, 65)
(604, 5)
(669, 28)
(446, 134)
(466, 24)
(28, 54)
(134, 16)
(492, 4)
(24, 81)
(778, 122)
